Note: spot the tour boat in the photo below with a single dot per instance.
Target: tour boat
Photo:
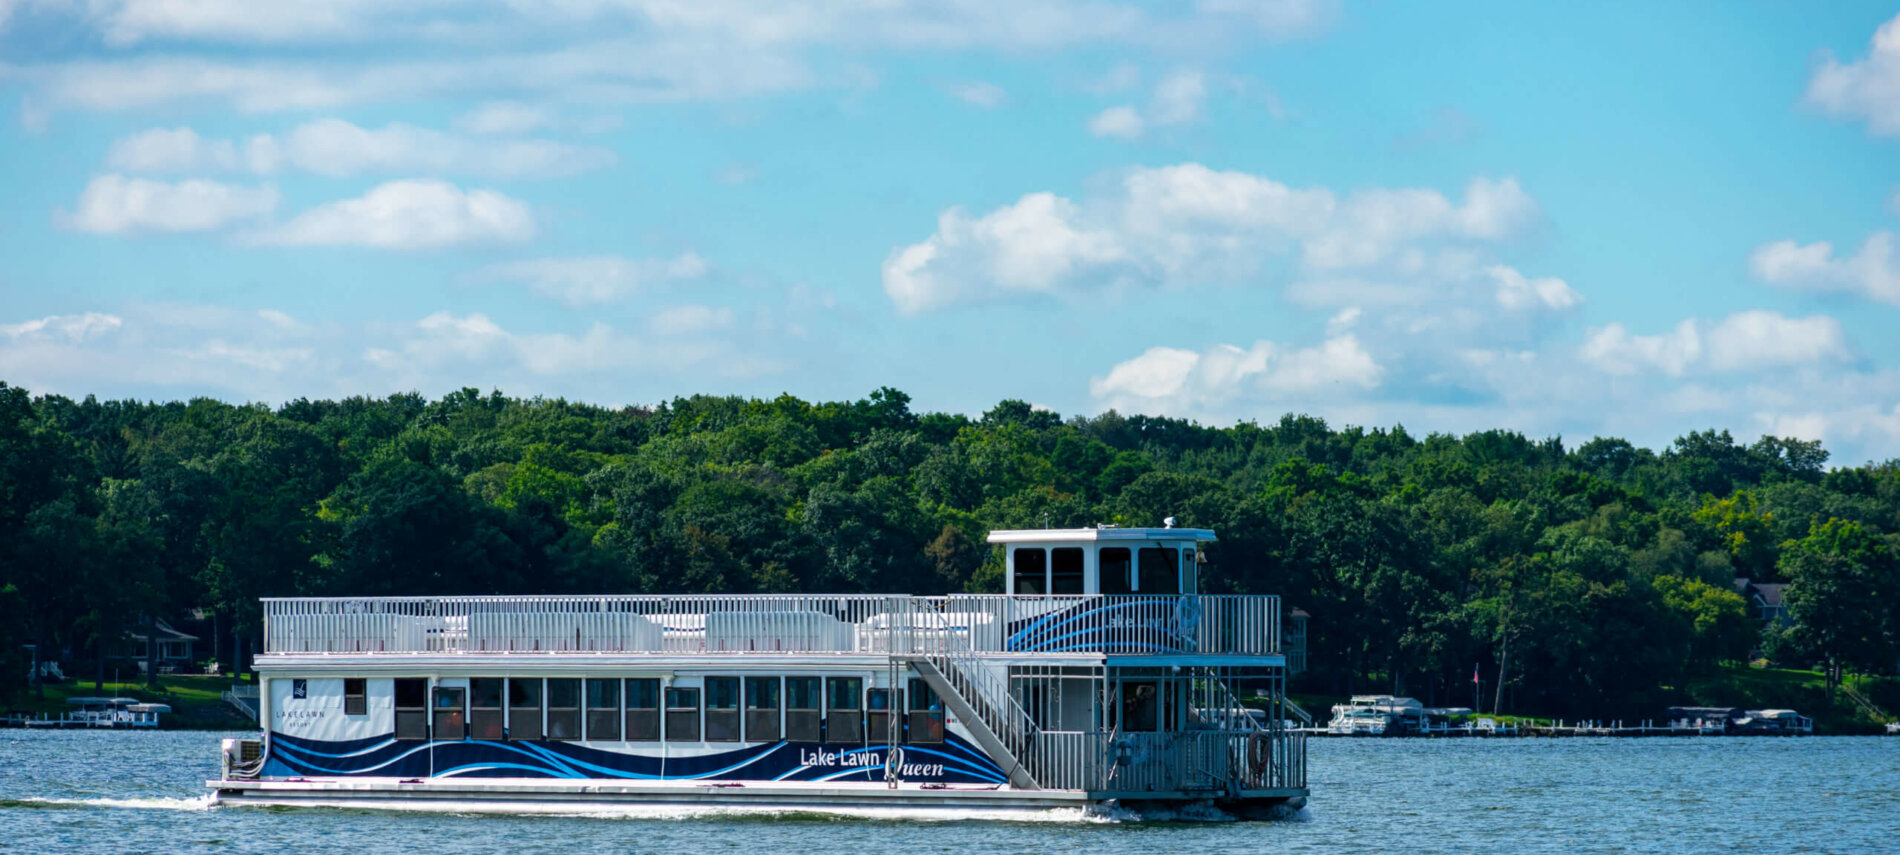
(1100, 679)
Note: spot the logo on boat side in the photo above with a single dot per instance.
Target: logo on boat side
(864, 759)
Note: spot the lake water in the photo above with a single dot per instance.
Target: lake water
(142, 792)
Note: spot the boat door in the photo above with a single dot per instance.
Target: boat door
(449, 712)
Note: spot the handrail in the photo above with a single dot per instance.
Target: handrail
(1206, 624)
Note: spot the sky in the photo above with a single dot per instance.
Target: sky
(1614, 219)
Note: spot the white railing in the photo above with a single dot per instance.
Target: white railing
(1130, 764)
(1192, 624)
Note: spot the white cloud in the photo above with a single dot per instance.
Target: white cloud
(597, 279)
(1188, 224)
(980, 93)
(1170, 379)
(1744, 340)
(690, 320)
(170, 350)
(75, 328)
(1178, 98)
(635, 51)
(509, 118)
(335, 147)
(1868, 89)
(127, 22)
(1283, 18)
(1517, 292)
(445, 342)
(1873, 272)
(172, 150)
(409, 214)
(1032, 246)
(1861, 425)
(1119, 122)
(113, 204)
(1123, 77)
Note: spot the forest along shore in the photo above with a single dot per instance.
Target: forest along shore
(1583, 578)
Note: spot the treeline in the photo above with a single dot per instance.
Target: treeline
(1594, 579)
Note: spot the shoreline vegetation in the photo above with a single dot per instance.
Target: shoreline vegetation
(1592, 579)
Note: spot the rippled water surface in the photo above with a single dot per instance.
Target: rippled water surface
(142, 792)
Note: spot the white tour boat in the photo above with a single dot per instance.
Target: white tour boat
(1100, 677)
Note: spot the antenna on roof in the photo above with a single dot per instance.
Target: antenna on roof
(1045, 519)
(1168, 523)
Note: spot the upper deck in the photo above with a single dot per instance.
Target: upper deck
(1132, 624)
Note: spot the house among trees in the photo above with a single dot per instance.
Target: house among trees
(174, 647)
(1294, 640)
(1764, 601)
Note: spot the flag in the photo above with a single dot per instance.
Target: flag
(1474, 674)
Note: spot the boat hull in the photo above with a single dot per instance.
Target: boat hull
(538, 795)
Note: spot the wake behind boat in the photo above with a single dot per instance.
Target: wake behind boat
(1101, 678)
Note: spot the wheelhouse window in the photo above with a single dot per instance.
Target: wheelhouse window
(1115, 564)
(524, 709)
(722, 709)
(761, 709)
(1031, 565)
(843, 708)
(451, 712)
(882, 706)
(603, 710)
(1160, 571)
(355, 696)
(682, 714)
(564, 709)
(804, 711)
(925, 722)
(1065, 570)
(643, 710)
(484, 707)
(412, 709)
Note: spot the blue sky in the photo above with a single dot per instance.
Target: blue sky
(1631, 219)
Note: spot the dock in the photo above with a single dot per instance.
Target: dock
(128, 720)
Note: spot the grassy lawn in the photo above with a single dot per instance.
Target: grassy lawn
(197, 701)
(1806, 691)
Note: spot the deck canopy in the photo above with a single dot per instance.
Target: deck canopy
(1103, 560)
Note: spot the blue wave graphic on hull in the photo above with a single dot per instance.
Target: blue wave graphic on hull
(385, 756)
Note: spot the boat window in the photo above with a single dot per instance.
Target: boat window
(412, 709)
(761, 709)
(1140, 707)
(1114, 564)
(803, 710)
(524, 709)
(603, 710)
(682, 715)
(484, 707)
(1159, 572)
(843, 709)
(451, 712)
(643, 710)
(883, 704)
(1065, 570)
(925, 722)
(1190, 570)
(355, 696)
(722, 709)
(1030, 577)
(564, 709)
